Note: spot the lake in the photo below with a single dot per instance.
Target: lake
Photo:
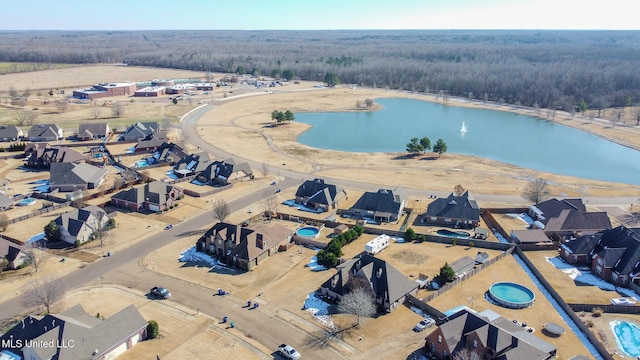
(515, 139)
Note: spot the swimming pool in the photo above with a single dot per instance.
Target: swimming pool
(627, 336)
(308, 232)
(455, 234)
(511, 295)
(26, 202)
(141, 163)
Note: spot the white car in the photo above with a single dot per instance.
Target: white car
(289, 352)
(424, 324)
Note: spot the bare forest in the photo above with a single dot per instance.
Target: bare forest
(551, 69)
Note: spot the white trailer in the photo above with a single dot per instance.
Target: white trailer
(378, 244)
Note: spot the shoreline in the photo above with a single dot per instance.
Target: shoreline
(250, 124)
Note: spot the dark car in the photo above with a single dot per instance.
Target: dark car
(160, 292)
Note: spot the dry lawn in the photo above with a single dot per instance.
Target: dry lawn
(472, 294)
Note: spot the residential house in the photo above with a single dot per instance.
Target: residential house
(192, 164)
(244, 247)
(43, 157)
(31, 147)
(78, 225)
(169, 153)
(453, 211)
(141, 130)
(390, 287)
(93, 131)
(10, 133)
(224, 172)
(612, 254)
(12, 253)
(45, 132)
(154, 196)
(150, 143)
(74, 335)
(487, 334)
(568, 217)
(318, 195)
(383, 205)
(71, 177)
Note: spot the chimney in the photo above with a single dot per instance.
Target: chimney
(261, 242)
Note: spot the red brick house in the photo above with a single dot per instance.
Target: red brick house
(154, 196)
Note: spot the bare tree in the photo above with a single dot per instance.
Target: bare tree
(358, 104)
(269, 203)
(265, 169)
(117, 110)
(62, 105)
(100, 231)
(26, 93)
(13, 93)
(34, 255)
(4, 222)
(22, 102)
(221, 210)
(536, 191)
(636, 114)
(368, 103)
(95, 112)
(466, 354)
(459, 190)
(358, 302)
(25, 117)
(45, 293)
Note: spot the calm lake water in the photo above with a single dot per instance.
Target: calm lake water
(514, 139)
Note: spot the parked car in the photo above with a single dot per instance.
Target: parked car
(288, 352)
(424, 324)
(160, 292)
(277, 191)
(168, 227)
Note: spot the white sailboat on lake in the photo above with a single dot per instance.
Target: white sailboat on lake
(463, 129)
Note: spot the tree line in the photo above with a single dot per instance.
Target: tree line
(416, 146)
(549, 69)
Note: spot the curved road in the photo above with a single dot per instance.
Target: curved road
(123, 267)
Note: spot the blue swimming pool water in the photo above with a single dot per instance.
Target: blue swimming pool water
(627, 336)
(141, 163)
(511, 293)
(26, 202)
(308, 232)
(456, 234)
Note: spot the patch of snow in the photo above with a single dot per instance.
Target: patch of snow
(193, 256)
(586, 277)
(572, 325)
(522, 216)
(499, 236)
(301, 207)
(36, 237)
(319, 309)
(314, 266)
(171, 175)
(400, 240)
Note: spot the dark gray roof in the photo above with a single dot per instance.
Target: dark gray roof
(141, 130)
(9, 131)
(530, 236)
(455, 207)
(88, 333)
(619, 248)
(501, 335)
(384, 200)
(223, 170)
(43, 131)
(316, 191)
(95, 129)
(194, 163)
(149, 142)
(155, 192)
(169, 150)
(73, 220)
(386, 281)
(553, 207)
(75, 174)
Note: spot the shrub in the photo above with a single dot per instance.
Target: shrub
(77, 243)
(410, 234)
(153, 329)
(597, 312)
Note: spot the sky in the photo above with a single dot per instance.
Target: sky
(318, 14)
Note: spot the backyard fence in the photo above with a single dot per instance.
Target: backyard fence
(38, 213)
(205, 193)
(608, 308)
(591, 337)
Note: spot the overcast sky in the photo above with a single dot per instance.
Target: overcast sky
(317, 14)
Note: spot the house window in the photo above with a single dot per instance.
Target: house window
(447, 220)
(598, 269)
(599, 261)
(433, 218)
(475, 344)
(439, 339)
(575, 258)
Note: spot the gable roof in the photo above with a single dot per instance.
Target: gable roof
(619, 248)
(141, 130)
(382, 201)
(387, 282)
(44, 131)
(249, 246)
(94, 129)
(193, 163)
(223, 170)
(578, 220)
(55, 154)
(509, 341)
(455, 207)
(75, 174)
(87, 332)
(9, 131)
(73, 220)
(155, 192)
(149, 142)
(316, 191)
(169, 150)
